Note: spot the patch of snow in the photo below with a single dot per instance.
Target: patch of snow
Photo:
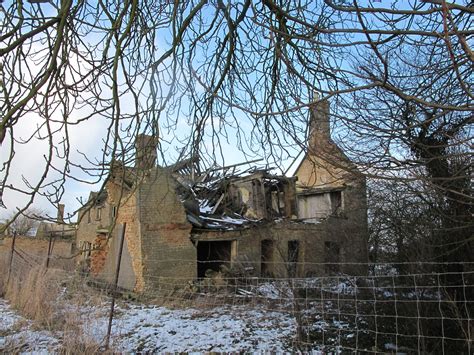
(204, 206)
(345, 288)
(269, 290)
(226, 219)
(8, 318)
(144, 328)
(398, 349)
(320, 325)
(312, 221)
(234, 220)
(280, 291)
(341, 284)
(17, 335)
(340, 325)
(224, 329)
(422, 294)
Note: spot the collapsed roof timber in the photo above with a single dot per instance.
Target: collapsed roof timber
(183, 222)
(215, 201)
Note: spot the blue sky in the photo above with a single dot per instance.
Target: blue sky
(87, 138)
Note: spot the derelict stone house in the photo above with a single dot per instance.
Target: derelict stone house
(95, 222)
(181, 222)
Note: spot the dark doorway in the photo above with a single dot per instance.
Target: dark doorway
(293, 256)
(266, 252)
(211, 255)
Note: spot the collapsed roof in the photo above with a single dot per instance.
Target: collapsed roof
(224, 198)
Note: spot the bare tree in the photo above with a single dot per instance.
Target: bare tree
(205, 75)
(26, 223)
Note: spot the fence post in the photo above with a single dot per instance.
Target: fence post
(50, 248)
(114, 289)
(11, 257)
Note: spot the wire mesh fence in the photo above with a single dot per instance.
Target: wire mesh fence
(390, 307)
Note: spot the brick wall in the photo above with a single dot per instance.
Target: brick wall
(168, 254)
(326, 166)
(157, 247)
(127, 213)
(89, 224)
(311, 238)
(99, 256)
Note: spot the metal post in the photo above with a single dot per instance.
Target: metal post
(11, 256)
(114, 290)
(50, 248)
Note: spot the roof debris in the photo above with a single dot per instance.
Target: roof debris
(225, 198)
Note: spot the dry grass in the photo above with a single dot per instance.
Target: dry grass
(13, 346)
(3, 275)
(52, 299)
(75, 341)
(34, 295)
(36, 250)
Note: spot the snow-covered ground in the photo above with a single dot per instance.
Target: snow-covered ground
(265, 326)
(160, 329)
(333, 316)
(18, 334)
(228, 329)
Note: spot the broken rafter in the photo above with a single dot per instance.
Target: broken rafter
(217, 204)
(185, 164)
(235, 165)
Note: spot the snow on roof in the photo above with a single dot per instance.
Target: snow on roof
(207, 194)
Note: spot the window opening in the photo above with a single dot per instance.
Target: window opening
(266, 252)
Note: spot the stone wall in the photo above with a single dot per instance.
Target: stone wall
(90, 221)
(326, 167)
(348, 226)
(91, 224)
(131, 275)
(312, 256)
(169, 256)
(127, 276)
(157, 250)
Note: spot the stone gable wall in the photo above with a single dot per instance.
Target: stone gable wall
(169, 256)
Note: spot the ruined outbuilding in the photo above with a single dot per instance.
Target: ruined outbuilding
(182, 222)
(57, 229)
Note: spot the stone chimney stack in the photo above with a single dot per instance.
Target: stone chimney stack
(145, 151)
(60, 217)
(319, 122)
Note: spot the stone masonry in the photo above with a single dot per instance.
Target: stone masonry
(306, 225)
